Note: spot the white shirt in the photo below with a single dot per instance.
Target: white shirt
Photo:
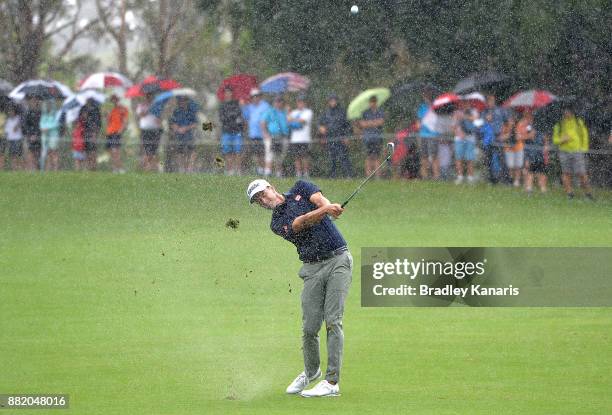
(302, 135)
(13, 134)
(147, 120)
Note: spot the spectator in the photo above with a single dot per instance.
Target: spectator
(50, 134)
(496, 117)
(492, 161)
(334, 128)
(513, 149)
(534, 152)
(14, 136)
(116, 124)
(572, 137)
(150, 134)
(232, 125)
(92, 123)
(427, 140)
(182, 123)
(78, 142)
(275, 131)
(465, 145)
(30, 127)
(300, 121)
(371, 123)
(253, 113)
(2, 137)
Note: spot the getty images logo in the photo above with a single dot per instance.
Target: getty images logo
(413, 269)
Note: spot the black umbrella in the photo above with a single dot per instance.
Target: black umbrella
(488, 82)
(42, 92)
(546, 117)
(39, 88)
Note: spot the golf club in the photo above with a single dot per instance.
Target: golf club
(390, 150)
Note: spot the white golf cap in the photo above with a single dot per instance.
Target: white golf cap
(255, 92)
(255, 187)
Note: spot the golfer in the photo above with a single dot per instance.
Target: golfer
(302, 216)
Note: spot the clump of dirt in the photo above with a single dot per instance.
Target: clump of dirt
(232, 223)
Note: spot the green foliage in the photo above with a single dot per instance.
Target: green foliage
(563, 45)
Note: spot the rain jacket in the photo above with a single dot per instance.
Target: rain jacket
(577, 132)
(50, 121)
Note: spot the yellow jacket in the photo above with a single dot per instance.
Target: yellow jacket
(577, 132)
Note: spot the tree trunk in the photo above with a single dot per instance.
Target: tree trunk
(122, 42)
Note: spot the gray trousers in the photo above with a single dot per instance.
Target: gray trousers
(326, 286)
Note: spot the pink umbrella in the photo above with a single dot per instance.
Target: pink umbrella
(103, 80)
(532, 99)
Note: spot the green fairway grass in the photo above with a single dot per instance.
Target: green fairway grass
(130, 294)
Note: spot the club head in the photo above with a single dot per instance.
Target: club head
(390, 148)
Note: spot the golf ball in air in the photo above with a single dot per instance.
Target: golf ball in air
(354, 9)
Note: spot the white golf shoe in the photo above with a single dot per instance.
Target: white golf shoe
(301, 382)
(323, 388)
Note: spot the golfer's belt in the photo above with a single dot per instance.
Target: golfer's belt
(328, 255)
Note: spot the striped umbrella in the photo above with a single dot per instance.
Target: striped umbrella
(531, 99)
(446, 103)
(284, 82)
(474, 100)
(101, 80)
(450, 102)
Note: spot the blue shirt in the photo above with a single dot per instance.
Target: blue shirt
(320, 238)
(183, 118)
(253, 114)
(376, 133)
(424, 131)
(487, 135)
(276, 122)
(498, 117)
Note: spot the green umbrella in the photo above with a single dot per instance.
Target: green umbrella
(361, 101)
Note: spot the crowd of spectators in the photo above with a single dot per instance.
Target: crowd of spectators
(257, 136)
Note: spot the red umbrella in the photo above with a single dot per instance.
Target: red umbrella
(241, 84)
(531, 99)
(151, 85)
(449, 102)
(446, 103)
(474, 100)
(102, 80)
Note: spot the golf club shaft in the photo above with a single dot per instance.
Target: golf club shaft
(366, 180)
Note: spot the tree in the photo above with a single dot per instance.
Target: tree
(113, 17)
(29, 25)
(170, 28)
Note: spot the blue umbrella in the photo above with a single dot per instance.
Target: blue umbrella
(160, 101)
(284, 82)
